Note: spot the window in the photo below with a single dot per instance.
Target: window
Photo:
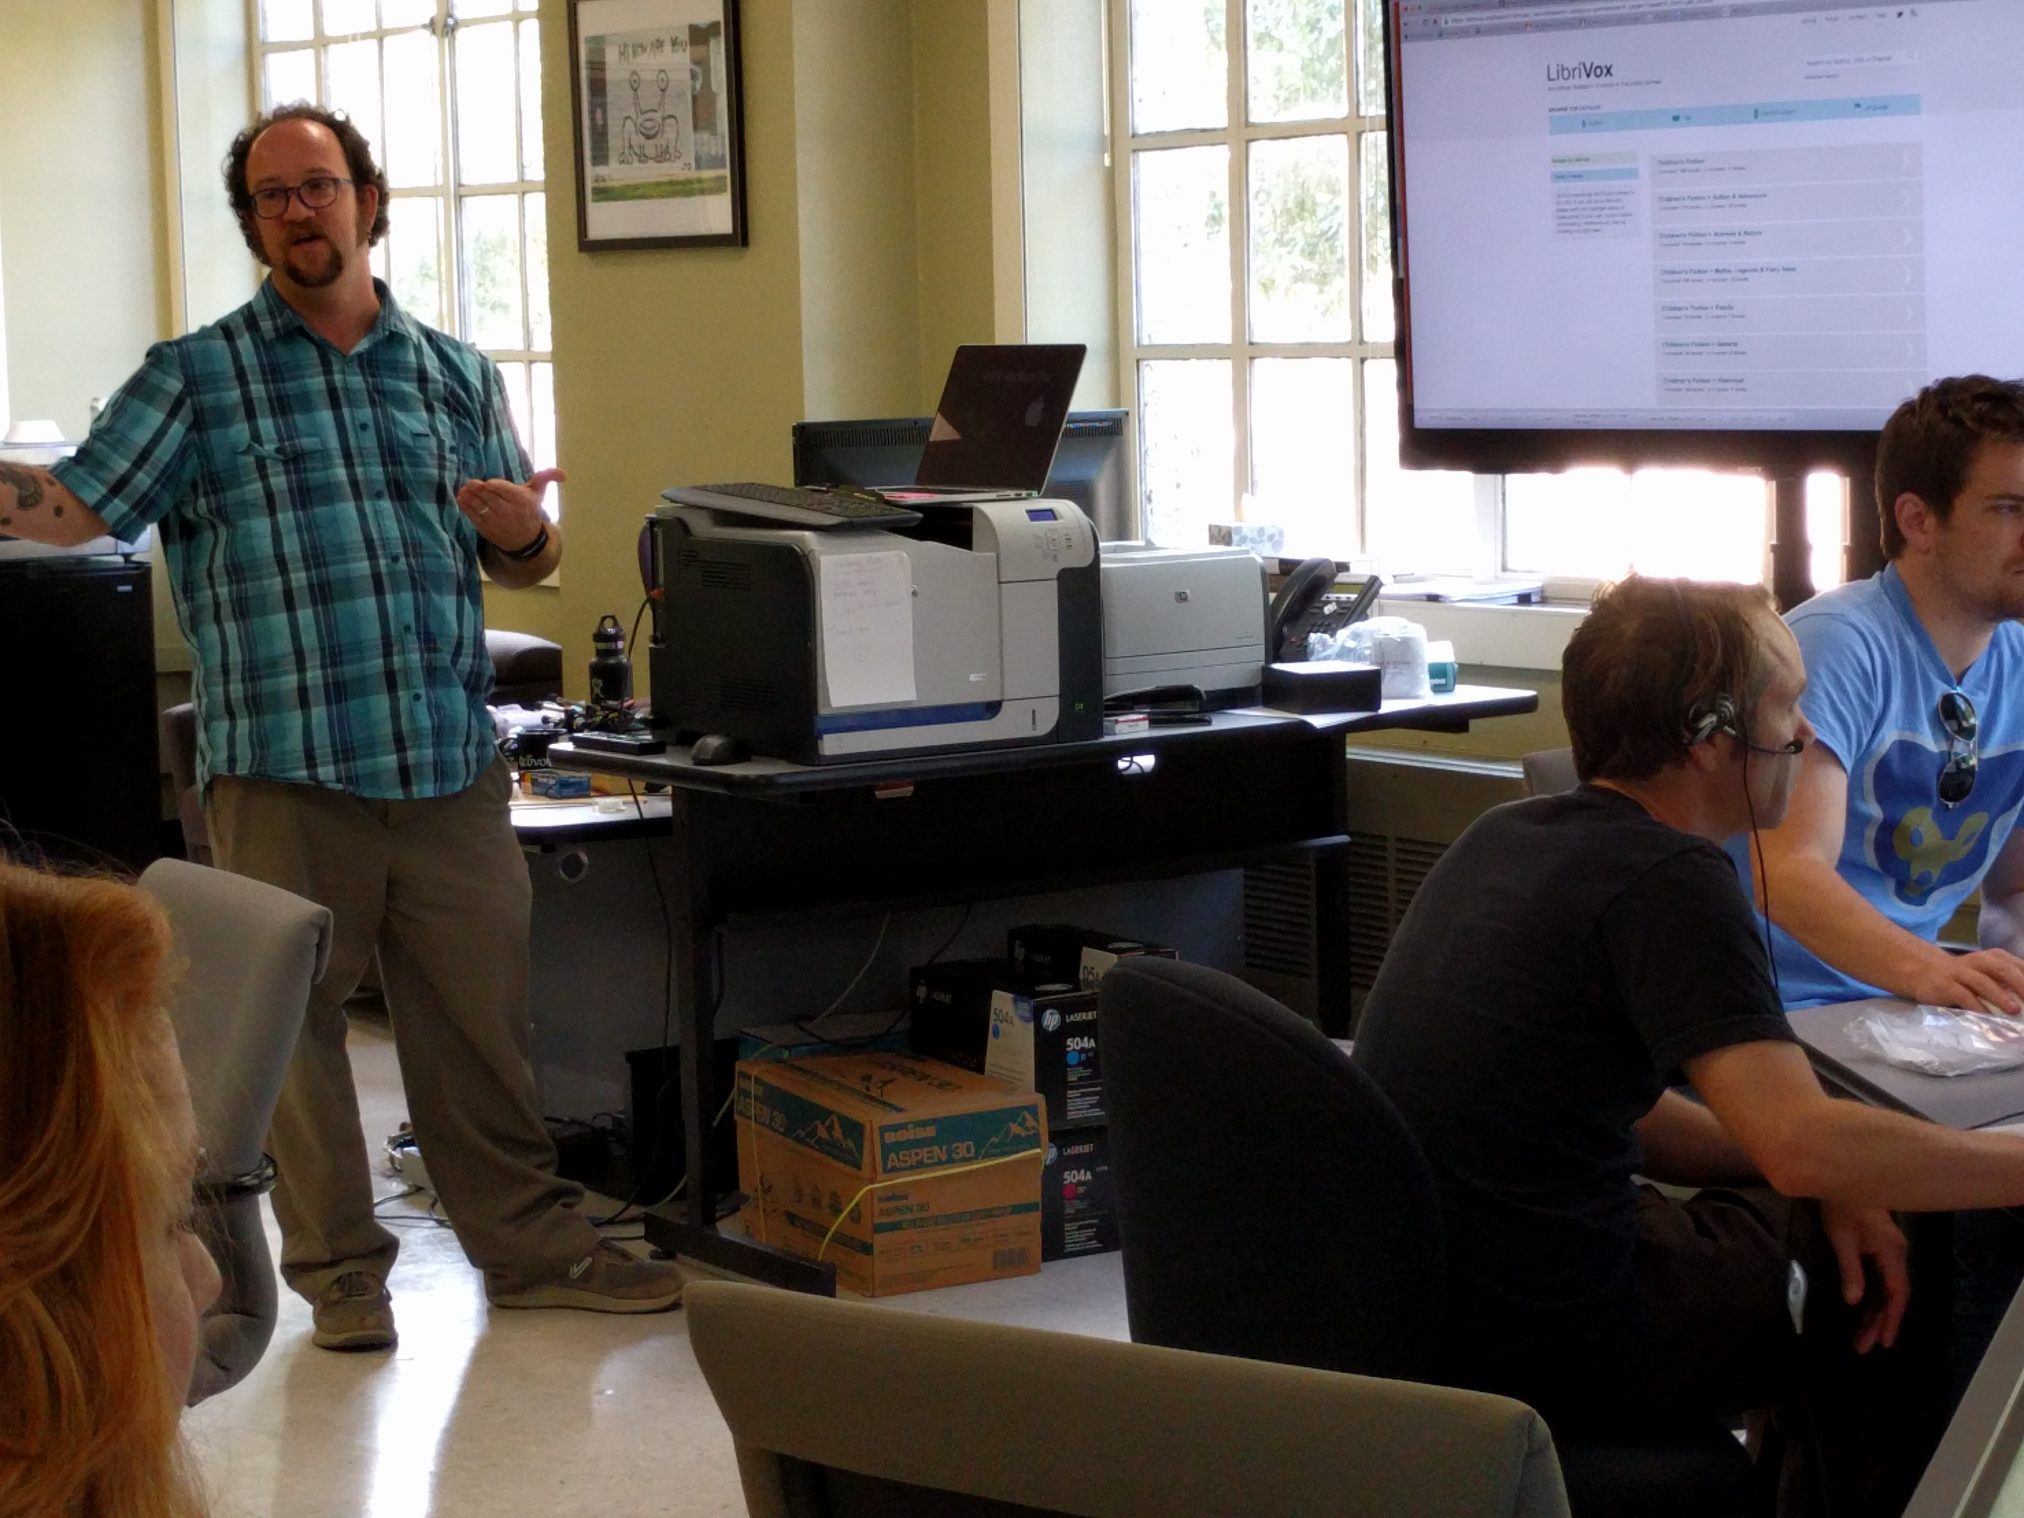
(1256, 301)
(449, 94)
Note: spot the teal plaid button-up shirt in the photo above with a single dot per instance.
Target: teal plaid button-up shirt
(305, 500)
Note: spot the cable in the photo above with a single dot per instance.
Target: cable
(844, 995)
(632, 639)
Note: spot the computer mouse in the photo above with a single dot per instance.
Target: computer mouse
(718, 748)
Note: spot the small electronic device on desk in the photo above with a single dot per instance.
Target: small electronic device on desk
(1316, 598)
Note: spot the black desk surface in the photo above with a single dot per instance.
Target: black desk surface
(762, 777)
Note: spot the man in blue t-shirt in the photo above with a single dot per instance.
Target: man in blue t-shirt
(1909, 799)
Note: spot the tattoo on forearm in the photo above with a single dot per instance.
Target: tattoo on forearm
(27, 491)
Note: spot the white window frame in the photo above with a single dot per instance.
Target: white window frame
(1237, 135)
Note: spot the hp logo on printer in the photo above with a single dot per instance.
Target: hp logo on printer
(1050, 1020)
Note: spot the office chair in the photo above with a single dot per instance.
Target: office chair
(1273, 1204)
(251, 953)
(840, 1409)
(1549, 771)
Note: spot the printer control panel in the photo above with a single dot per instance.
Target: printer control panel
(1036, 539)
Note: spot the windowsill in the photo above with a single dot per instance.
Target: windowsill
(1508, 637)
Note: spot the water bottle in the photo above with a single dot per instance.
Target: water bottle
(610, 674)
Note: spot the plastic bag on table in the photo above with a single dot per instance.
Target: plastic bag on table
(1941, 1040)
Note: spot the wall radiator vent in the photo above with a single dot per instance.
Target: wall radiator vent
(1405, 808)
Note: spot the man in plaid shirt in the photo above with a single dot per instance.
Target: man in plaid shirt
(327, 475)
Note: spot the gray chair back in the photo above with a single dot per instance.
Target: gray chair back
(1549, 771)
(840, 1409)
(251, 952)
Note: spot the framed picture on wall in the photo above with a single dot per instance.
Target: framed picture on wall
(660, 142)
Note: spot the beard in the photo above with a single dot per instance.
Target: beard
(314, 265)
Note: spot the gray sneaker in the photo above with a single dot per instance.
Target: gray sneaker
(354, 1312)
(606, 1280)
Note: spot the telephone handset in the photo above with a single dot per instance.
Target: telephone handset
(1307, 603)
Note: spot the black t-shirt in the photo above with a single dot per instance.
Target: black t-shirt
(1559, 964)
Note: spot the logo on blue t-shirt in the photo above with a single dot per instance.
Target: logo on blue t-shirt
(1926, 846)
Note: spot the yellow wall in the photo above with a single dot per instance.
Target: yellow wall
(861, 333)
(953, 222)
(83, 281)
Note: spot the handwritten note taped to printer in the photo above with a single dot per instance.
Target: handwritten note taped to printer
(1412, 666)
(867, 628)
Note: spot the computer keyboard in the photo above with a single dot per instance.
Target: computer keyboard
(797, 507)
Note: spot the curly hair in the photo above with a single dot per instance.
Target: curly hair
(1930, 442)
(358, 162)
(88, 1421)
(1649, 654)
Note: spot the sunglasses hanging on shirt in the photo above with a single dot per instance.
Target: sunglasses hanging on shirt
(1957, 774)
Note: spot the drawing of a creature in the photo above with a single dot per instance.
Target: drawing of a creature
(650, 133)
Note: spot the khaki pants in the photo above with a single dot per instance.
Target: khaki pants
(439, 887)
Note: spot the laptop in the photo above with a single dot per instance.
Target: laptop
(997, 425)
(994, 437)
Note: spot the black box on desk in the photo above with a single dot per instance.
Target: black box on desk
(975, 1014)
(1060, 951)
(1078, 1204)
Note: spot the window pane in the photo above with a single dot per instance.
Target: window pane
(341, 18)
(407, 12)
(530, 100)
(352, 76)
(527, 5)
(287, 21)
(487, 150)
(542, 444)
(535, 212)
(466, 9)
(413, 151)
(1179, 72)
(1415, 520)
(515, 377)
(1188, 447)
(1303, 452)
(288, 77)
(1300, 240)
(491, 227)
(1295, 56)
(1377, 263)
(1183, 244)
(1370, 57)
(1598, 524)
(415, 246)
(1827, 527)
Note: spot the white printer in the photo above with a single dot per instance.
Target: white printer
(1184, 616)
(976, 626)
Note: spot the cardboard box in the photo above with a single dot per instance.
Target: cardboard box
(975, 1014)
(1078, 1203)
(1061, 951)
(846, 1033)
(814, 1133)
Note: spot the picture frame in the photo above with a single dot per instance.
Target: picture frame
(658, 109)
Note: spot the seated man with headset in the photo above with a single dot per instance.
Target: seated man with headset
(1568, 959)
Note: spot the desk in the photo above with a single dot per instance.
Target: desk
(1981, 1100)
(1973, 1471)
(767, 839)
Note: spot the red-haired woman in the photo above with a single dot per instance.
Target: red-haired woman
(101, 1282)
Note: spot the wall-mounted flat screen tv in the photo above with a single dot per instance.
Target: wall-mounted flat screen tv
(1719, 232)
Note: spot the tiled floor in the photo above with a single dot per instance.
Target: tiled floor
(496, 1415)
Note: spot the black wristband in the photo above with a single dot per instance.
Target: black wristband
(531, 551)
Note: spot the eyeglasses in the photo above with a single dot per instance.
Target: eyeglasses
(1957, 776)
(315, 192)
